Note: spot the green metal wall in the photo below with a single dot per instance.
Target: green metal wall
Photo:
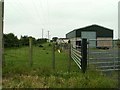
(71, 34)
(100, 31)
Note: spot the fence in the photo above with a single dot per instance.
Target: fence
(105, 58)
(102, 59)
(80, 55)
(76, 56)
(43, 56)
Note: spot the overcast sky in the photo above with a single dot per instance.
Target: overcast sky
(28, 17)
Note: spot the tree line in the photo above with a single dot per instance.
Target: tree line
(10, 40)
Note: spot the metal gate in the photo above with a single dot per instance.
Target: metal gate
(103, 59)
(80, 55)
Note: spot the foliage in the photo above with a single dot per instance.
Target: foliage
(10, 40)
(24, 40)
(118, 43)
(42, 40)
(54, 39)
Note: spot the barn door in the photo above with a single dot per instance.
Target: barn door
(90, 36)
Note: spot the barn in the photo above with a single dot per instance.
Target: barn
(98, 36)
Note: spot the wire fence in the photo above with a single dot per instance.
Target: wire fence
(16, 56)
(43, 56)
(104, 59)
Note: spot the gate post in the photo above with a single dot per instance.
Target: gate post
(69, 53)
(84, 55)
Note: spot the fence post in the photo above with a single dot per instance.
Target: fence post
(69, 62)
(114, 54)
(3, 53)
(53, 56)
(84, 55)
(88, 54)
(30, 51)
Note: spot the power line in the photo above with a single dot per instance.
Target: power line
(42, 10)
(37, 13)
(42, 18)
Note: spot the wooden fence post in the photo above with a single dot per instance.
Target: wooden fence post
(3, 53)
(53, 56)
(84, 55)
(69, 60)
(30, 51)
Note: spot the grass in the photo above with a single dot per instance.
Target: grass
(18, 74)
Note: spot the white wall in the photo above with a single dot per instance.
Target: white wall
(62, 41)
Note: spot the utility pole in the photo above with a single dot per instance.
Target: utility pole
(48, 36)
(1, 32)
(3, 57)
(1, 38)
(42, 33)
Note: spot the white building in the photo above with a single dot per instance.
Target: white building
(62, 40)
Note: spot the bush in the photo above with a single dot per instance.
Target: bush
(118, 43)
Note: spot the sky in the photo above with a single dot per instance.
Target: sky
(29, 17)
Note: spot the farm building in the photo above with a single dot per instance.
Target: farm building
(98, 36)
(62, 40)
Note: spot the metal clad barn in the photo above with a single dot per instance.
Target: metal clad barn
(93, 32)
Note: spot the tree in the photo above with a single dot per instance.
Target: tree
(10, 40)
(34, 41)
(42, 40)
(24, 40)
(54, 39)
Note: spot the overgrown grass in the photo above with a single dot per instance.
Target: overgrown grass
(60, 80)
(18, 74)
